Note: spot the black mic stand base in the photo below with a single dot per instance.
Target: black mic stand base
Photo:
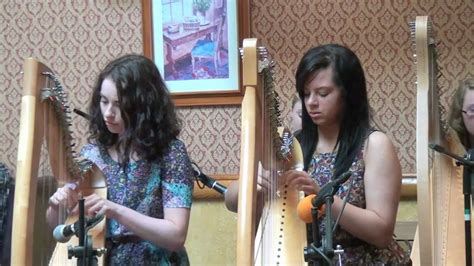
(86, 255)
(315, 256)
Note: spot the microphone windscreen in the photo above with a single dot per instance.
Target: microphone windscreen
(304, 208)
(58, 234)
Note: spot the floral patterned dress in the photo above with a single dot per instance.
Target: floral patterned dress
(356, 251)
(147, 188)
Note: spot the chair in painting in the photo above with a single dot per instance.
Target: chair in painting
(208, 48)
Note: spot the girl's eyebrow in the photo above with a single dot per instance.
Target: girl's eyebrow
(103, 96)
(321, 88)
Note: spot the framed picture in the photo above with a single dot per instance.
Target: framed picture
(195, 45)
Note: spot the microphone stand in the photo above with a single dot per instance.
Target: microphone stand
(85, 253)
(321, 251)
(468, 176)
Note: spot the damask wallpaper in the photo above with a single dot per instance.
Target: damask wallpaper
(77, 38)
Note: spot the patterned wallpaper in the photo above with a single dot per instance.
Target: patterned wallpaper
(378, 32)
(77, 38)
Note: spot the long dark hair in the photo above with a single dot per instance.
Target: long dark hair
(355, 124)
(146, 108)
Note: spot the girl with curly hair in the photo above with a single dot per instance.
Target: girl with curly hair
(133, 141)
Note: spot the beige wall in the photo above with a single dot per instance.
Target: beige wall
(77, 40)
(211, 238)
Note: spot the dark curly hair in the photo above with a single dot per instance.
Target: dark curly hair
(146, 108)
(355, 124)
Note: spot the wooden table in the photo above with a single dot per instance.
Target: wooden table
(174, 40)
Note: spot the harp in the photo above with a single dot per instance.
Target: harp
(44, 134)
(440, 234)
(281, 235)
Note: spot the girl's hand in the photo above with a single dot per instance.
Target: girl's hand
(301, 181)
(96, 205)
(66, 196)
(263, 179)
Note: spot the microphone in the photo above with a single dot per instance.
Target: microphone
(304, 209)
(208, 181)
(306, 204)
(62, 233)
(81, 113)
(330, 189)
(464, 161)
(437, 148)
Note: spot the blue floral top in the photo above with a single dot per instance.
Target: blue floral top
(146, 188)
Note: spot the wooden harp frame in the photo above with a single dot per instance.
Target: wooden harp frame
(439, 238)
(39, 122)
(427, 129)
(251, 112)
(258, 108)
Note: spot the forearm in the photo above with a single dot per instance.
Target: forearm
(161, 232)
(364, 224)
(232, 196)
(52, 217)
(55, 216)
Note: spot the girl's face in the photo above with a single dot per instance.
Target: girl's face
(468, 111)
(323, 99)
(110, 107)
(295, 117)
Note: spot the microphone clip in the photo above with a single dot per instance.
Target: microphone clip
(203, 180)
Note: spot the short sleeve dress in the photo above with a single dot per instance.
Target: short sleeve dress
(146, 188)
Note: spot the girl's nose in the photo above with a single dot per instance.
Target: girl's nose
(109, 111)
(312, 99)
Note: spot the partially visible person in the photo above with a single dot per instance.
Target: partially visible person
(133, 140)
(295, 114)
(7, 190)
(337, 137)
(231, 196)
(461, 114)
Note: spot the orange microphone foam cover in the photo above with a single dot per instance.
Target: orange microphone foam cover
(304, 209)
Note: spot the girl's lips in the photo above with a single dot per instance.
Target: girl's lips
(315, 114)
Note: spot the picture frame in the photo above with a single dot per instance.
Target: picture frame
(194, 44)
